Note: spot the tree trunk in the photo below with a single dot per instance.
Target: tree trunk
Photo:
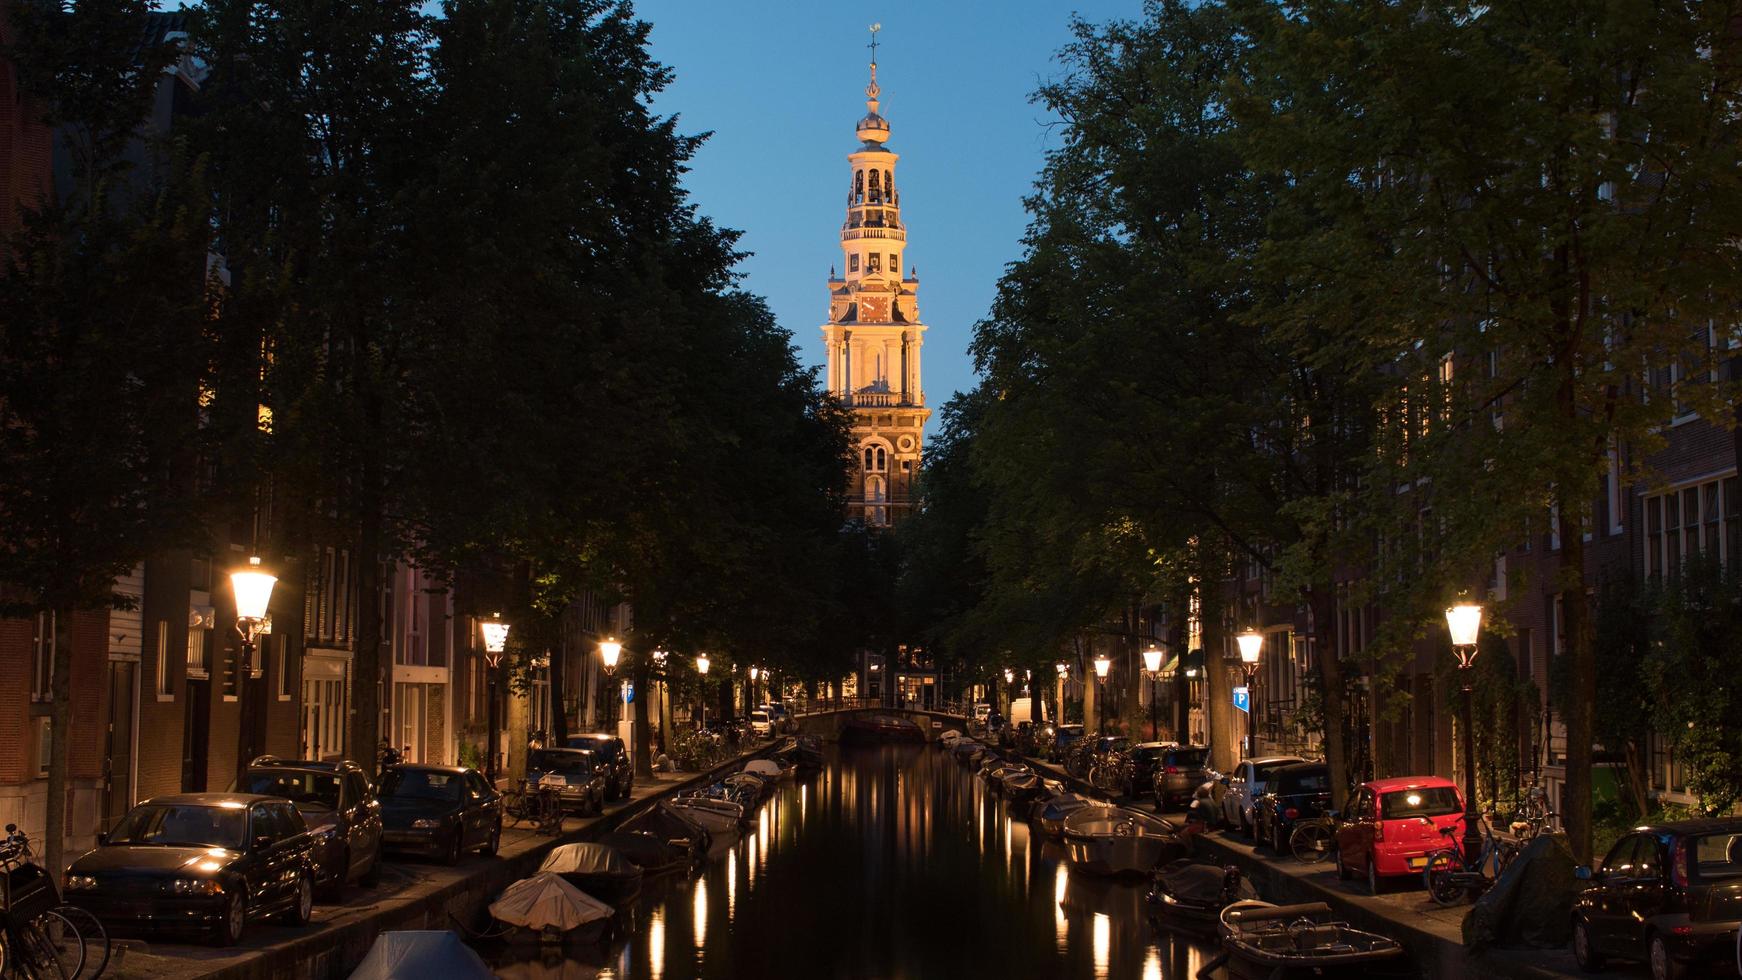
(1224, 732)
(559, 718)
(1335, 710)
(1582, 691)
(60, 731)
(1176, 641)
(643, 732)
(366, 671)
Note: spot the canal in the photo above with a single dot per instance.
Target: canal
(893, 861)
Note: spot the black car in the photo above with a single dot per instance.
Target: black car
(439, 811)
(613, 760)
(1669, 894)
(205, 862)
(1141, 761)
(343, 816)
(1064, 739)
(575, 775)
(1298, 792)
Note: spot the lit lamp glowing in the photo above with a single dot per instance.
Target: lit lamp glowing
(1464, 623)
(702, 669)
(609, 651)
(1102, 665)
(1251, 645)
(252, 589)
(1152, 667)
(495, 633)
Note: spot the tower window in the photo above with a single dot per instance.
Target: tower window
(894, 263)
(853, 262)
(875, 460)
(859, 187)
(876, 193)
(871, 262)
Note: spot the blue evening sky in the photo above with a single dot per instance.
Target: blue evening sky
(780, 84)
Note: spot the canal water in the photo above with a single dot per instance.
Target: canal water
(893, 861)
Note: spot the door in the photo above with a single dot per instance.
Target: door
(1356, 834)
(409, 710)
(195, 734)
(1643, 896)
(479, 815)
(1606, 910)
(267, 856)
(118, 741)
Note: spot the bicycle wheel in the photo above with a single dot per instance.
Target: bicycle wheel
(1311, 842)
(95, 939)
(48, 949)
(514, 807)
(1440, 878)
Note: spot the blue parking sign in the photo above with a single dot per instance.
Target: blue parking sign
(1243, 699)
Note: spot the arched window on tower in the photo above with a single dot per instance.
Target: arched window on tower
(876, 460)
(859, 187)
(876, 189)
(889, 186)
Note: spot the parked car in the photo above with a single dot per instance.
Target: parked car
(760, 724)
(1178, 773)
(780, 717)
(574, 773)
(1669, 894)
(1064, 738)
(1250, 780)
(612, 757)
(338, 803)
(1392, 825)
(439, 811)
(981, 713)
(1297, 792)
(210, 862)
(1141, 762)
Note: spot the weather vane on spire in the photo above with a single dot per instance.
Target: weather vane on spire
(871, 91)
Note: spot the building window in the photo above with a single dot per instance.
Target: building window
(872, 262)
(876, 460)
(165, 688)
(853, 262)
(197, 653)
(42, 659)
(280, 666)
(894, 264)
(232, 672)
(1691, 520)
(44, 740)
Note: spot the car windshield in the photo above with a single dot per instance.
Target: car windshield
(1148, 754)
(1267, 772)
(1428, 801)
(421, 784)
(184, 825)
(758, 716)
(316, 790)
(1716, 855)
(556, 760)
(1188, 758)
(1115, 743)
(1314, 780)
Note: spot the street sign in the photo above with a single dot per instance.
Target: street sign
(628, 692)
(1242, 699)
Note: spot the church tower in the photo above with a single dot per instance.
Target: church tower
(874, 333)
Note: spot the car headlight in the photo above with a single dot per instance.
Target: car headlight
(81, 883)
(196, 886)
(425, 823)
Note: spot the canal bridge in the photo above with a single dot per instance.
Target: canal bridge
(828, 722)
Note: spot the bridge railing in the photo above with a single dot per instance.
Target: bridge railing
(812, 706)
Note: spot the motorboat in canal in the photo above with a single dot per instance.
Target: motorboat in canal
(1115, 840)
(807, 752)
(1261, 941)
(949, 737)
(597, 869)
(994, 773)
(747, 790)
(1021, 788)
(723, 819)
(1054, 811)
(546, 908)
(766, 768)
(417, 954)
(661, 840)
(1191, 896)
(881, 728)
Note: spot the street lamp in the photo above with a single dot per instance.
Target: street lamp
(495, 642)
(1152, 667)
(1101, 666)
(1064, 673)
(609, 651)
(1251, 645)
(1464, 622)
(253, 591)
(702, 669)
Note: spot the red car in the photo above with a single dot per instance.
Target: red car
(1392, 825)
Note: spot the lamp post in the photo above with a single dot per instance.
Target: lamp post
(750, 699)
(1009, 679)
(1152, 667)
(1064, 673)
(609, 652)
(702, 669)
(1464, 622)
(1101, 665)
(495, 642)
(253, 591)
(1251, 646)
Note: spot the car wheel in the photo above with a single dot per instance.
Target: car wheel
(1374, 883)
(235, 919)
(452, 855)
(1160, 804)
(1343, 872)
(302, 907)
(333, 889)
(494, 844)
(372, 877)
(1585, 948)
(1663, 965)
(1277, 844)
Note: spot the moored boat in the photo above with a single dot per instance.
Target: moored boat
(1054, 811)
(1191, 896)
(1110, 840)
(721, 818)
(881, 728)
(546, 908)
(807, 751)
(1280, 942)
(597, 869)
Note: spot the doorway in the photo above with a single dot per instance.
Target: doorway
(196, 732)
(410, 707)
(119, 754)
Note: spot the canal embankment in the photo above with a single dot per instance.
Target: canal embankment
(412, 896)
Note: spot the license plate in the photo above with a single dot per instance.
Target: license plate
(1416, 864)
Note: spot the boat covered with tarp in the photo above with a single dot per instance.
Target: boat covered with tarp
(1116, 840)
(660, 839)
(549, 908)
(1261, 941)
(1188, 895)
(766, 768)
(1054, 811)
(597, 869)
(415, 954)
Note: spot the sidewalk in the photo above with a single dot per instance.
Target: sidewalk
(413, 894)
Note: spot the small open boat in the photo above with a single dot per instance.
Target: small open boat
(597, 869)
(1054, 811)
(1112, 840)
(723, 819)
(881, 728)
(547, 908)
(421, 953)
(1261, 941)
(994, 774)
(1191, 896)
(807, 752)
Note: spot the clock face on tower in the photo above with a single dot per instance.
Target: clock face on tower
(873, 309)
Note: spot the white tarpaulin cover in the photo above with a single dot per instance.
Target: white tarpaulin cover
(420, 955)
(763, 767)
(545, 901)
(590, 859)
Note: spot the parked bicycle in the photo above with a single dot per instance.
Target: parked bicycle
(39, 939)
(539, 806)
(1450, 879)
(1315, 839)
(1533, 816)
